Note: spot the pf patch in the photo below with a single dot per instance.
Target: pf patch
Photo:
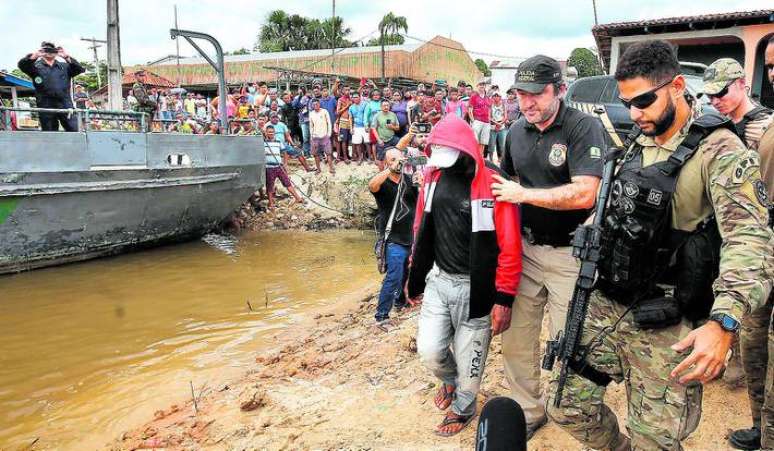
(558, 155)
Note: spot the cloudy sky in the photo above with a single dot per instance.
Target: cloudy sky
(496, 27)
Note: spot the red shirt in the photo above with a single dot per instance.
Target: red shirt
(480, 107)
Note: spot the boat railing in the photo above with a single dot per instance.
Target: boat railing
(97, 120)
(86, 120)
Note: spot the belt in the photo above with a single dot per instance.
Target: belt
(544, 240)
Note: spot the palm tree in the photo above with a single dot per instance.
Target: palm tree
(390, 24)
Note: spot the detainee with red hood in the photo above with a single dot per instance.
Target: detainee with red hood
(466, 260)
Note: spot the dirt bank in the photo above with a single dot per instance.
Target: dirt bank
(335, 382)
(340, 200)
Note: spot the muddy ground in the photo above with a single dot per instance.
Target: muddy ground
(335, 382)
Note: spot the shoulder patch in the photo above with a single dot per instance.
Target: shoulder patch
(741, 169)
(760, 193)
(595, 152)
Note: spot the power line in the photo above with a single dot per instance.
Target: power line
(493, 55)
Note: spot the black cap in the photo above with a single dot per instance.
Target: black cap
(48, 47)
(535, 73)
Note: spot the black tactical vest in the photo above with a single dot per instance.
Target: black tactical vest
(640, 249)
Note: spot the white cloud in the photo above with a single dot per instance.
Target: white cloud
(502, 27)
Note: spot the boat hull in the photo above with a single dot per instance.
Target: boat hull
(132, 191)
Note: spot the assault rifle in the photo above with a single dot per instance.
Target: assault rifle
(585, 246)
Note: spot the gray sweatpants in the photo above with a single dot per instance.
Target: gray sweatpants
(444, 323)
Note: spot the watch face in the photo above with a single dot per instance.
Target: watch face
(730, 323)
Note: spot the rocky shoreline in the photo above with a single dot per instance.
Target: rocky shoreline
(331, 201)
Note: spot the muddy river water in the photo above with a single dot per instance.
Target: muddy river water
(90, 349)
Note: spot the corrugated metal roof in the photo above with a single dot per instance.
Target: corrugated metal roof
(7, 79)
(763, 14)
(294, 54)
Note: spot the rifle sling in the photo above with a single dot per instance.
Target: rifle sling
(583, 369)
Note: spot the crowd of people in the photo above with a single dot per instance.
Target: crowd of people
(686, 258)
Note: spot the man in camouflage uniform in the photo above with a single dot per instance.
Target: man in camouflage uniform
(724, 84)
(665, 366)
(145, 103)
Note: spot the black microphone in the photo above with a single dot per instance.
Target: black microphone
(501, 426)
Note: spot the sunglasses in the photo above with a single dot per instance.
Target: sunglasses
(645, 99)
(720, 94)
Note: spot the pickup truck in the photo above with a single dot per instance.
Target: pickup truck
(590, 93)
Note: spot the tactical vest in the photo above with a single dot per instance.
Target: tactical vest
(640, 249)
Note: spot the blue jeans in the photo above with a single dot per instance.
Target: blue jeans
(305, 137)
(497, 142)
(392, 287)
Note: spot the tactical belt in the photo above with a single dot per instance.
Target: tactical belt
(531, 237)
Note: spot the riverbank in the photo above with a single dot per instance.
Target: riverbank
(333, 381)
(331, 201)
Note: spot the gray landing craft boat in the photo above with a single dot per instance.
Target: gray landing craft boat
(67, 197)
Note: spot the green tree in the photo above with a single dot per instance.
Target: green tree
(482, 67)
(18, 73)
(89, 78)
(585, 61)
(242, 51)
(390, 25)
(282, 32)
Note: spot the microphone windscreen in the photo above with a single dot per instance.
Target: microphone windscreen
(501, 426)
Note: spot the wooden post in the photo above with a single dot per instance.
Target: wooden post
(115, 91)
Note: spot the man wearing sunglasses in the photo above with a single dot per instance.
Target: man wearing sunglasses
(659, 273)
(724, 84)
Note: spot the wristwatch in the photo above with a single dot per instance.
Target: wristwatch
(727, 322)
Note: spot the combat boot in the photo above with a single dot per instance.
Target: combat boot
(746, 438)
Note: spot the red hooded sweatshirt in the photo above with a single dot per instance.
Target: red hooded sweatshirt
(495, 245)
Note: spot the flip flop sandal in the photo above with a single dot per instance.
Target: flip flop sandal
(448, 397)
(464, 421)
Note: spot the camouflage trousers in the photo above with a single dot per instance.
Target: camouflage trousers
(661, 412)
(756, 354)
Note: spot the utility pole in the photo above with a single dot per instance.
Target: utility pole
(177, 45)
(115, 90)
(594, 4)
(94, 47)
(333, 37)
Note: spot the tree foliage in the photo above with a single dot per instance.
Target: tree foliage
(389, 30)
(242, 51)
(585, 61)
(482, 66)
(282, 32)
(89, 78)
(18, 73)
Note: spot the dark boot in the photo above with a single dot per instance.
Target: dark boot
(746, 438)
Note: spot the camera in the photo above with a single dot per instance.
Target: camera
(423, 127)
(417, 161)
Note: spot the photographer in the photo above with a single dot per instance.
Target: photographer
(51, 78)
(396, 199)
